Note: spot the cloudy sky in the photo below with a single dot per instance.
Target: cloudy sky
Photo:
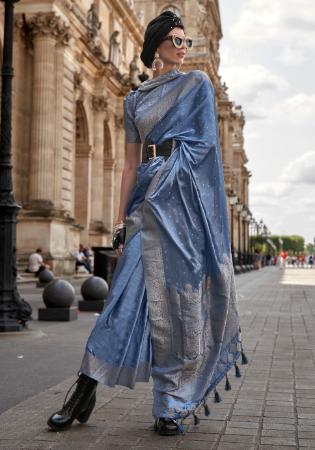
(268, 63)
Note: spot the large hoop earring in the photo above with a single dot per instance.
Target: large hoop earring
(157, 60)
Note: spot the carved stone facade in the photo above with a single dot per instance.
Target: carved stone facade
(74, 62)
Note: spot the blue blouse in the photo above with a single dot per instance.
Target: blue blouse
(144, 107)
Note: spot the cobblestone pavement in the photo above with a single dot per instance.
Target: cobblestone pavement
(272, 406)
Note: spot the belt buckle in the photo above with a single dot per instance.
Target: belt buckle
(154, 150)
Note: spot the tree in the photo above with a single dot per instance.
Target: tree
(310, 248)
(291, 244)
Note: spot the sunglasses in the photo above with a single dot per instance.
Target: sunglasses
(179, 41)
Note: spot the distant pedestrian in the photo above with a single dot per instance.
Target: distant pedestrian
(311, 261)
(82, 258)
(257, 259)
(282, 257)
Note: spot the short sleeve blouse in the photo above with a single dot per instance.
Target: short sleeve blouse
(132, 133)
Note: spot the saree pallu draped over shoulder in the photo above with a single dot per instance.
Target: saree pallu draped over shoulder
(172, 310)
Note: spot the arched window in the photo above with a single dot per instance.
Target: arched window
(173, 9)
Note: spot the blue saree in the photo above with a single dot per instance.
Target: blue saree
(172, 311)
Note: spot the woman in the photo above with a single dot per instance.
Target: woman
(171, 311)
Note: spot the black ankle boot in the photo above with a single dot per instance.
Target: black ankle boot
(79, 406)
(167, 427)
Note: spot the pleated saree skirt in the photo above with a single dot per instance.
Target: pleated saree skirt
(148, 329)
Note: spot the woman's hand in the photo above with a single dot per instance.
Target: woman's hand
(118, 237)
(128, 179)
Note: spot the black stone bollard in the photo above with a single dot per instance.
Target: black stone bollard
(94, 290)
(44, 277)
(58, 297)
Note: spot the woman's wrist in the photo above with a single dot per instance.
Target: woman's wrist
(119, 224)
(118, 221)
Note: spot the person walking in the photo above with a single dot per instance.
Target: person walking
(171, 312)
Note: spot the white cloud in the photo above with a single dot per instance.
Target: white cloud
(292, 56)
(268, 62)
(289, 214)
(299, 108)
(253, 80)
(294, 111)
(287, 24)
(254, 86)
(300, 171)
(297, 172)
(257, 22)
(286, 204)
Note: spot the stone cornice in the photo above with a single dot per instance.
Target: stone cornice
(130, 20)
(76, 10)
(44, 24)
(209, 8)
(119, 84)
(216, 13)
(120, 7)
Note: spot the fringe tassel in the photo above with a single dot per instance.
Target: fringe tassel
(206, 408)
(196, 419)
(217, 397)
(227, 384)
(237, 371)
(244, 357)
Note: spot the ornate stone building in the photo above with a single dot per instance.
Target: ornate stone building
(74, 62)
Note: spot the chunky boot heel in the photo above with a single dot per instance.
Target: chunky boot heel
(168, 427)
(85, 415)
(79, 406)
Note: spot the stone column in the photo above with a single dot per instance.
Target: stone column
(59, 121)
(46, 29)
(119, 158)
(83, 185)
(227, 139)
(99, 105)
(108, 209)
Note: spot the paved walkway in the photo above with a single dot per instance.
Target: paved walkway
(271, 407)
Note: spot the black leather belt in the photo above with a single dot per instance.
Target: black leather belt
(150, 151)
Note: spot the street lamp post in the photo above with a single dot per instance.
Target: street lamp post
(9, 297)
(244, 214)
(232, 200)
(248, 232)
(252, 234)
(261, 226)
(256, 231)
(239, 208)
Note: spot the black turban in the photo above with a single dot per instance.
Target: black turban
(156, 31)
